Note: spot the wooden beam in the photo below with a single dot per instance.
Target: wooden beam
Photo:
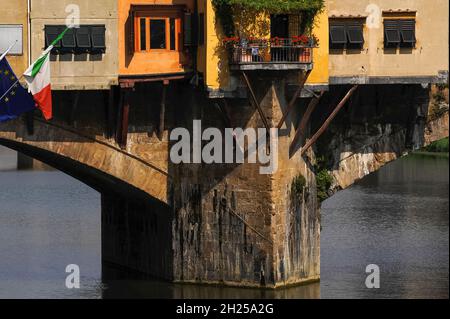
(328, 120)
(73, 109)
(29, 122)
(162, 109)
(109, 112)
(301, 128)
(122, 118)
(255, 100)
(294, 98)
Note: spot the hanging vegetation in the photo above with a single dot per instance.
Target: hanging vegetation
(309, 8)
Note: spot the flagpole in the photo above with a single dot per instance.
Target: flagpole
(12, 86)
(7, 50)
(1, 58)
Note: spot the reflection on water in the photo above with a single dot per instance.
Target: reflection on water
(397, 218)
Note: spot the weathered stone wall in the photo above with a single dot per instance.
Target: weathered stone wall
(136, 234)
(236, 226)
(436, 129)
(379, 124)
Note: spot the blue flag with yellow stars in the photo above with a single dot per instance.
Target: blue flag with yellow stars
(17, 101)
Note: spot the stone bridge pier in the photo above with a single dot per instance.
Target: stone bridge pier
(233, 225)
(222, 223)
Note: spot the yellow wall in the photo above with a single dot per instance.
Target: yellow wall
(15, 12)
(217, 74)
(428, 58)
(319, 74)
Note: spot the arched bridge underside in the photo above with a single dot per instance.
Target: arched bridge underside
(93, 160)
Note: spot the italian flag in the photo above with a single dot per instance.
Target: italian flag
(37, 77)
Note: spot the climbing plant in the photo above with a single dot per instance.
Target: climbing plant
(324, 180)
(309, 8)
(297, 185)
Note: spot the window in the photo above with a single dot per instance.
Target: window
(158, 34)
(68, 41)
(143, 33)
(346, 35)
(98, 38)
(51, 33)
(408, 32)
(158, 30)
(391, 33)
(338, 37)
(9, 34)
(355, 35)
(85, 39)
(173, 32)
(399, 32)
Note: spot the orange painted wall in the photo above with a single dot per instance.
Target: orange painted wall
(148, 63)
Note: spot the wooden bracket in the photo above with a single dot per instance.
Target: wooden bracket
(73, 109)
(162, 109)
(294, 98)
(311, 92)
(124, 110)
(301, 129)
(255, 100)
(328, 120)
(110, 112)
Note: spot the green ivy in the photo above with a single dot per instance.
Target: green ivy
(298, 183)
(323, 179)
(310, 8)
(440, 146)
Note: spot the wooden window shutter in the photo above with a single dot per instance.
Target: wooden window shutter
(187, 30)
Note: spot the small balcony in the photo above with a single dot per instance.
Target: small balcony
(271, 54)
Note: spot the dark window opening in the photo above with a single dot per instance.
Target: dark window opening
(172, 34)
(143, 35)
(279, 26)
(157, 34)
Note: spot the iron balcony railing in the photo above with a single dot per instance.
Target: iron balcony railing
(271, 51)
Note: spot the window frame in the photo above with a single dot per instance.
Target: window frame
(346, 24)
(165, 15)
(400, 28)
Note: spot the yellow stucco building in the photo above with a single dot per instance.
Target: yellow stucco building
(214, 60)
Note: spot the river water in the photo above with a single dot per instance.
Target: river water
(396, 219)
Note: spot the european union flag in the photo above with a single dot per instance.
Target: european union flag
(17, 101)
